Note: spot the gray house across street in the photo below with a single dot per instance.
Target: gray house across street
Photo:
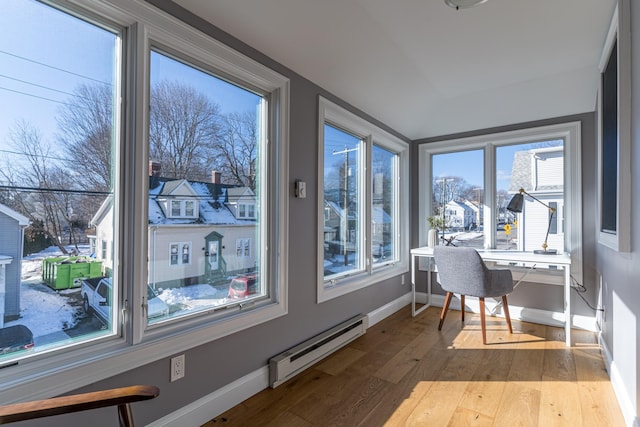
(12, 225)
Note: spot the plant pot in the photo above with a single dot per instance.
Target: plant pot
(432, 238)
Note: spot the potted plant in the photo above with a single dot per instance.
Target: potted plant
(436, 223)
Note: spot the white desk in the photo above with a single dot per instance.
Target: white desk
(527, 259)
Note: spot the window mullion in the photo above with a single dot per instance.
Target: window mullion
(490, 202)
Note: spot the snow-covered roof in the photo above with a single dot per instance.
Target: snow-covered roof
(212, 203)
(22, 220)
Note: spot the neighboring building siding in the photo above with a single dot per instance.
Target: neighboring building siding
(11, 236)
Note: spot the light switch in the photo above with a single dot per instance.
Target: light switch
(301, 189)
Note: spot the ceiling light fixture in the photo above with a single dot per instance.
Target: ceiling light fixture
(463, 4)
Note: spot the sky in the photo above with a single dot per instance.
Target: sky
(49, 54)
(469, 164)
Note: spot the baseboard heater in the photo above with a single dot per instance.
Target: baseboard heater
(291, 362)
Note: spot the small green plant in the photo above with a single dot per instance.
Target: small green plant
(436, 222)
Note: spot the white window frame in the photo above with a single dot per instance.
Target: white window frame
(620, 32)
(332, 114)
(243, 248)
(58, 371)
(179, 259)
(569, 132)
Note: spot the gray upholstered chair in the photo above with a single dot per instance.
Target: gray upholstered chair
(462, 271)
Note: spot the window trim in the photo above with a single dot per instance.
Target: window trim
(62, 370)
(329, 112)
(619, 34)
(570, 132)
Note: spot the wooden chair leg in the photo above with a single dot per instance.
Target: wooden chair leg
(505, 307)
(482, 321)
(445, 307)
(125, 415)
(462, 306)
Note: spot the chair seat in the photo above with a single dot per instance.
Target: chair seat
(462, 271)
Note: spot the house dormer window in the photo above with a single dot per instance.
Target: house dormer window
(182, 209)
(189, 208)
(176, 208)
(246, 211)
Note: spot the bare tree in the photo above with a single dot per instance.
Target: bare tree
(237, 146)
(37, 180)
(183, 123)
(85, 125)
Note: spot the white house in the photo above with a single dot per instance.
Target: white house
(459, 215)
(540, 173)
(198, 232)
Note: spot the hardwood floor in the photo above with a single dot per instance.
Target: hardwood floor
(404, 372)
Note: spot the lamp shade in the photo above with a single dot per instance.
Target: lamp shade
(515, 205)
(463, 4)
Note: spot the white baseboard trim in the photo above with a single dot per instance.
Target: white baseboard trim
(624, 400)
(544, 317)
(214, 404)
(388, 309)
(210, 406)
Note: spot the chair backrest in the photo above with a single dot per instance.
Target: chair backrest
(462, 271)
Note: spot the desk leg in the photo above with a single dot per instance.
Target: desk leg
(415, 312)
(413, 285)
(567, 305)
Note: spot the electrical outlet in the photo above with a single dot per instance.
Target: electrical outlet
(177, 368)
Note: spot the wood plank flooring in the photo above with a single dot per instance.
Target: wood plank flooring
(404, 372)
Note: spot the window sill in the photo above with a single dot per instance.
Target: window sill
(350, 284)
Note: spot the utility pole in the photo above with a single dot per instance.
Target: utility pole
(444, 200)
(345, 211)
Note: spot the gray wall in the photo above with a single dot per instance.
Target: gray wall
(214, 365)
(546, 297)
(621, 271)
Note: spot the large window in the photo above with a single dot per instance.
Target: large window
(466, 185)
(119, 220)
(614, 120)
(58, 127)
(205, 147)
(361, 231)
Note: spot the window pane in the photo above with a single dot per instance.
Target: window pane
(537, 168)
(384, 202)
(342, 196)
(458, 192)
(205, 149)
(56, 177)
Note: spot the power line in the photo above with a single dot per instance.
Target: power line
(42, 97)
(44, 87)
(34, 155)
(55, 190)
(55, 68)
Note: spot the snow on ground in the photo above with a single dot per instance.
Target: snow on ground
(42, 309)
(48, 312)
(194, 297)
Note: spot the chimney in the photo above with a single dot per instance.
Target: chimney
(154, 168)
(216, 177)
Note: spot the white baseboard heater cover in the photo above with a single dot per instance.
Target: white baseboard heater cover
(291, 362)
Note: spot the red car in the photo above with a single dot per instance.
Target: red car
(243, 286)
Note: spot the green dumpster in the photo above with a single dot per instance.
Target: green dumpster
(67, 272)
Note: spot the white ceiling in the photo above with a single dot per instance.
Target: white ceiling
(425, 69)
